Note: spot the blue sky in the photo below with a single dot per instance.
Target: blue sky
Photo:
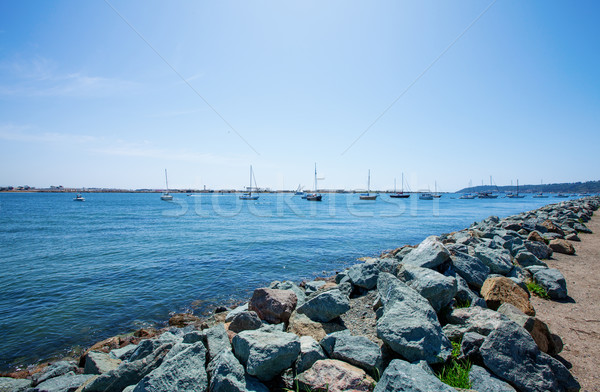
(96, 96)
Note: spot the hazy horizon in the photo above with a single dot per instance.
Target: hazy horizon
(108, 94)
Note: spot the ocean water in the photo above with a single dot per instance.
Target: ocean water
(75, 273)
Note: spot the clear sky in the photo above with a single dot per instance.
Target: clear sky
(109, 94)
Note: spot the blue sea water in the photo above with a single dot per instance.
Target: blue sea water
(75, 273)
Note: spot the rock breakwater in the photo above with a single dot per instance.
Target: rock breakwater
(387, 324)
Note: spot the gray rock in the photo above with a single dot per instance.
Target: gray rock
(482, 380)
(264, 354)
(266, 327)
(182, 372)
(216, 340)
(326, 306)
(465, 295)
(128, 373)
(438, 289)
(429, 254)
(9, 384)
(54, 370)
(245, 321)
(313, 286)
(470, 268)
(310, 352)
(145, 348)
(470, 344)
(226, 373)
(289, 285)
(553, 281)
(388, 264)
(66, 383)
(236, 311)
(356, 350)
(99, 363)
(539, 249)
(345, 288)
(527, 259)
(364, 275)
(474, 319)
(497, 260)
(403, 376)
(409, 324)
(194, 336)
(123, 353)
(512, 355)
(580, 227)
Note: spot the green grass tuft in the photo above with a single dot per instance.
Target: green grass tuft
(458, 304)
(538, 290)
(456, 374)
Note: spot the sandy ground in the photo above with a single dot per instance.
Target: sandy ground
(577, 320)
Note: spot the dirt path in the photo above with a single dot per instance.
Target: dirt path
(577, 321)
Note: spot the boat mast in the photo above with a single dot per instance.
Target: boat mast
(315, 177)
(166, 181)
(394, 185)
(250, 189)
(369, 183)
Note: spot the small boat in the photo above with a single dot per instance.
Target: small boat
(314, 196)
(562, 195)
(540, 196)
(515, 195)
(467, 196)
(166, 196)
(400, 195)
(249, 196)
(368, 196)
(79, 197)
(426, 196)
(486, 195)
(299, 191)
(436, 194)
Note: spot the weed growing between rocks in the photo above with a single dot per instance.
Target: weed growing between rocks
(462, 304)
(455, 372)
(538, 290)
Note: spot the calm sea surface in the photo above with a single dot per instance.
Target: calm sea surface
(75, 273)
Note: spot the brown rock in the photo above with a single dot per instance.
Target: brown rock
(145, 333)
(562, 246)
(499, 290)
(572, 237)
(536, 236)
(272, 305)
(301, 325)
(335, 376)
(180, 320)
(552, 228)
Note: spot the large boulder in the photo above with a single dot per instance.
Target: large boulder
(244, 321)
(364, 275)
(562, 246)
(289, 285)
(356, 350)
(539, 248)
(552, 227)
(498, 290)
(438, 289)
(65, 383)
(511, 354)
(326, 306)
(464, 294)
(553, 281)
(482, 380)
(56, 369)
(310, 352)
(272, 305)
(128, 373)
(184, 371)
(536, 237)
(266, 354)
(335, 376)
(301, 325)
(475, 319)
(429, 254)
(9, 384)
(228, 375)
(403, 376)
(497, 260)
(539, 331)
(217, 340)
(528, 259)
(234, 312)
(470, 268)
(99, 363)
(409, 325)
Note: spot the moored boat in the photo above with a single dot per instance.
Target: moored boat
(368, 196)
(166, 196)
(249, 195)
(79, 197)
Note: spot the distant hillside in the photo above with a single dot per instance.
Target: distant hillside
(573, 187)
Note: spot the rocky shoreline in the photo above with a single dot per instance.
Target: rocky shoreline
(393, 323)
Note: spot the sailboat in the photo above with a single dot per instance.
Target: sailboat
(400, 195)
(368, 196)
(79, 197)
(487, 194)
(314, 196)
(515, 195)
(166, 196)
(436, 194)
(299, 191)
(248, 196)
(540, 195)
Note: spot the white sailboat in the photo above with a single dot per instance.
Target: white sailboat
(166, 196)
(368, 196)
(249, 196)
(436, 194)
(400, 195)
